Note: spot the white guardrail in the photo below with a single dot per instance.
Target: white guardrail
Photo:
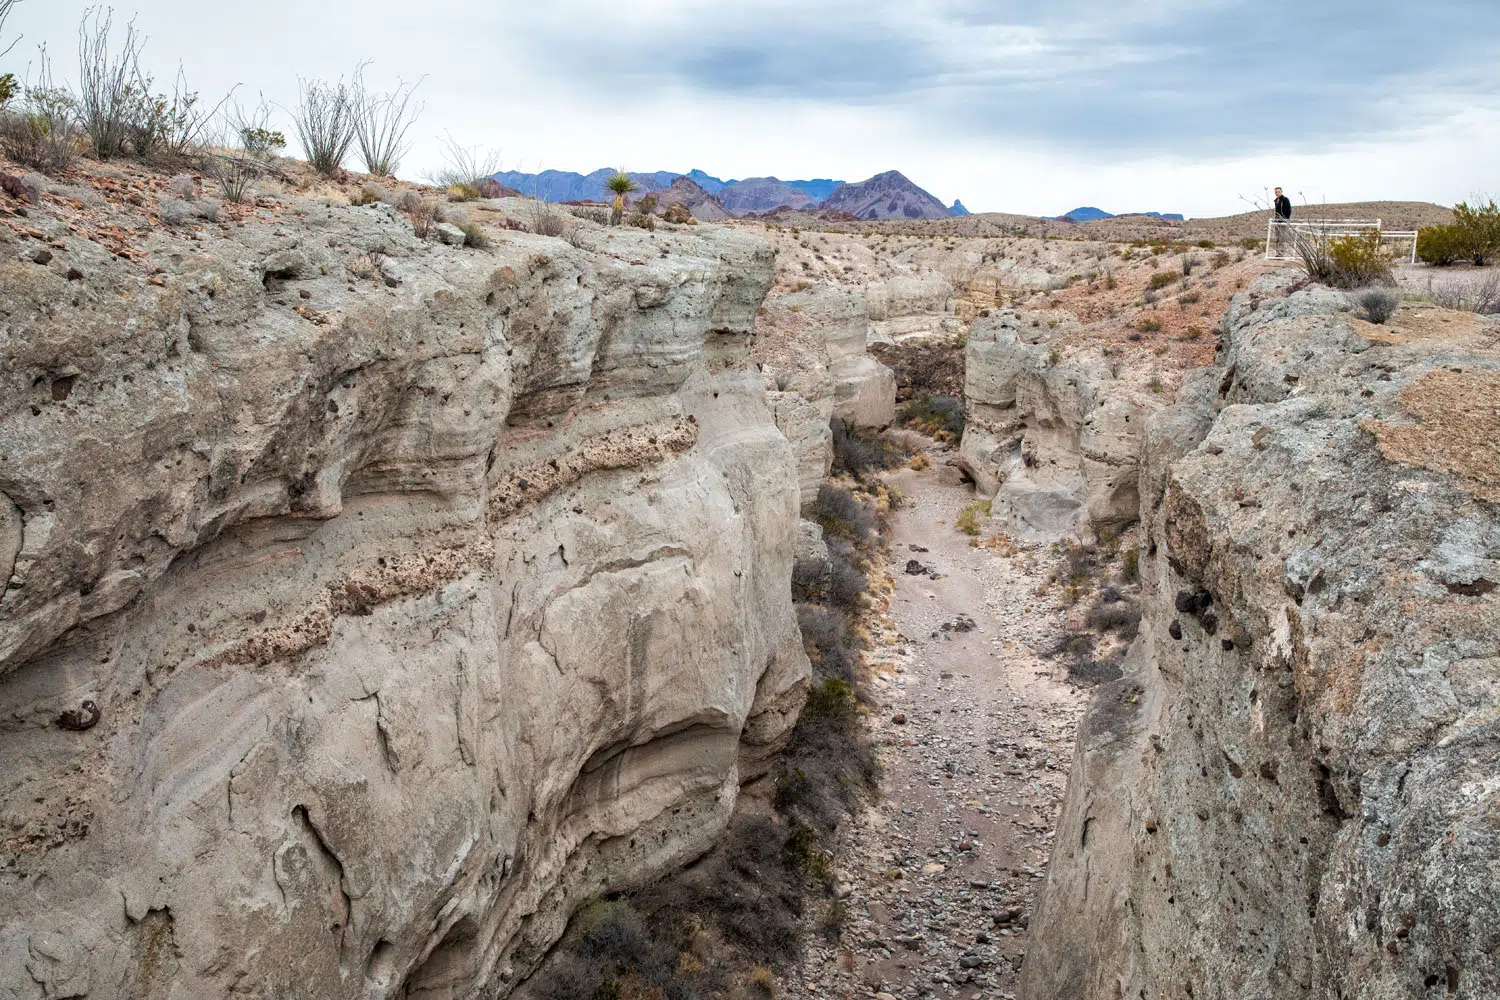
(1282, 235)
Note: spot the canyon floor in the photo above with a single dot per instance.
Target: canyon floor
(975, 730)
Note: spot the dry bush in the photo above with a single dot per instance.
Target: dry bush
(381, 122)
(1477, 292)
(544, 219)
(174, 211)
(325, 121)
(41, 132)
(468, 165)
(857, 455)
(183, 186)
(1379, 304)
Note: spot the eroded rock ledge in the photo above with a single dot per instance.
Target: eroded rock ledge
(1293, 791)
(357, 630)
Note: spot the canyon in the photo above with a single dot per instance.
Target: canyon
(375, 604)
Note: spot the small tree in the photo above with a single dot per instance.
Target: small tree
(621, 184)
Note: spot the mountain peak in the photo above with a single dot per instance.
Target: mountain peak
(888, 195)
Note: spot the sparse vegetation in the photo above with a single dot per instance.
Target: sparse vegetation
(940, 417)
(1160, 281)
(325, 122)
(1148, 324)
(1473, 236)
(1378, 304)
(857, 455)
(467, 166)
(381, 122)
(969, 519)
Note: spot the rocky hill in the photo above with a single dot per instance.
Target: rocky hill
(886, 196)
(704, 206)
(761, 194)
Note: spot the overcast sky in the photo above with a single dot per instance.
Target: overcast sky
(1167, 105)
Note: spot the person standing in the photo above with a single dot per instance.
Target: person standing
(1283, 206)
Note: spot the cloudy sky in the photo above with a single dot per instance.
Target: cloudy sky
(1172, 105)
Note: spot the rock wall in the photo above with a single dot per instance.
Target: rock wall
(371, 603)
(1055, 442)
(1294, 791)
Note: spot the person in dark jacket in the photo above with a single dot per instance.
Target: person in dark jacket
(1283, 207)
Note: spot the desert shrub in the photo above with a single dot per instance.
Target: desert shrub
(831, 699)
(261, 141)
(678, 214)
(647, 204)
(380, 123)
(174, 211)
(463, 192)
(857, 455)
(364, 196)
(933, 414)
(1160, 280)
(610, 952)
(1206, 244)
(1442, 245)
(1148, 324)
(642, 221)
(471, 165)
(40, 132)
(841, 515)
(488, 187)
(1188, 263)
(1189, 298)
(1379, 304)
(208, 209)
(1122, 617)
(474, 235)
(969, 519)
(422, 213)
(325, 121)
(544, 219)
(1359, 260)
(115, 104)
(183, 186)
(1477, 292)
(1480, 224)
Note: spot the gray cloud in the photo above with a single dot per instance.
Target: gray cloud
(1220, 78)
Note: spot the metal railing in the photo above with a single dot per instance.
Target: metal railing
(1282, 235)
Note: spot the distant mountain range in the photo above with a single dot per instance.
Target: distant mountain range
(885, 196)
(1090, 214)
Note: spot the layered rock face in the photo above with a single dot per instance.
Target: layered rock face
(829, 375)
(352, 637)
(1056, 443)
(1295, 789)
(905, 307)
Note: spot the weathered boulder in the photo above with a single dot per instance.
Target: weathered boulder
(1292, 792)
(372, 603)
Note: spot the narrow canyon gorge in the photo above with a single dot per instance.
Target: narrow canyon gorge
(375, 605)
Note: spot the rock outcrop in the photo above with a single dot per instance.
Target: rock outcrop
(370, 603)
(1293, 791)
(907, 307)
(1055, 442)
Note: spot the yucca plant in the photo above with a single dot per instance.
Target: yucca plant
(621, 184)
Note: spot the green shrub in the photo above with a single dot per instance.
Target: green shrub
(1160, 281)
(934, 414)
(1360, 260)
(968, 519)
(1481, 225)
(857, 455)
(1443, 245)
(831, 699)
(1379, 304)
